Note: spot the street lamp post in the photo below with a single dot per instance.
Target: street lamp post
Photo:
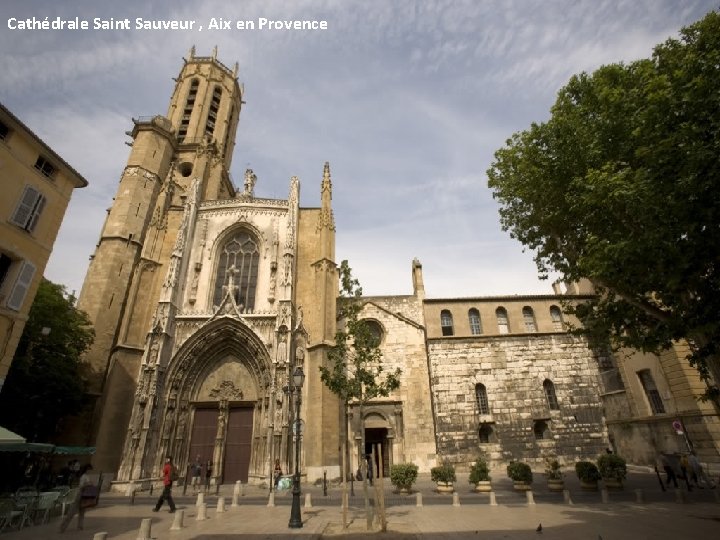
(298, 378)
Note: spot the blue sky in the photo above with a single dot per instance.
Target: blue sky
(407, 100)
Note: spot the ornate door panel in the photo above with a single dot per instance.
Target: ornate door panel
(204, 431)
(238, 444)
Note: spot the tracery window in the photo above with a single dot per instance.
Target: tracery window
(241, 254)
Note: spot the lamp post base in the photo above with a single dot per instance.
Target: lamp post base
(295, 516)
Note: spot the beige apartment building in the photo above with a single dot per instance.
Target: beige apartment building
(37, 185)
(207, 297)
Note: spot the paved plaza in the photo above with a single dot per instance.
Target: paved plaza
(659, 516)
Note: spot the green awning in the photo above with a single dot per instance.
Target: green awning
(27, 447)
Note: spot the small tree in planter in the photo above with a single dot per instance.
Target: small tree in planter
(613, 470)
(403, 476)
(444, 476)
(521, 475)
(554, 475)
(480, 475)
(588, 474)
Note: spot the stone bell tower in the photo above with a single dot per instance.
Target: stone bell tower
(175, 159)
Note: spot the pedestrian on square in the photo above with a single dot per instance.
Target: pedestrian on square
(698, 473)
(168, 473)
(277, 473)
(664, 464)
(195, 474)
(82, 502)
(208, 474)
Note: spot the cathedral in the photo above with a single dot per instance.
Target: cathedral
(206, 297)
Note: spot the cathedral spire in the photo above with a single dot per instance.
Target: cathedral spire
(327, 220)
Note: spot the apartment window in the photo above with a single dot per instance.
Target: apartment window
(239, 257)
(21, 286)
(474, 319)
(29, 208)
(651, 391)
(549, 388)
(446, 323)
(556, 317)
(4, 131)
(482, 399)
(45, 167)
(529, 318)
(502, 320)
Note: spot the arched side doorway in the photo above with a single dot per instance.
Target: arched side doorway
(382, 424)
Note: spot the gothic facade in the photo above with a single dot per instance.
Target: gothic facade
(206, 297)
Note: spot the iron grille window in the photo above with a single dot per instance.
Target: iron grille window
(549, 388)
(482, 399)
(651, 391)
(529, 318)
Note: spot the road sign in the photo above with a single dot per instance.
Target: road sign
(678, 427)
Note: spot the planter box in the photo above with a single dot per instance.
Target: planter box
(444, 487)
(521, 486)
(589, 486)
(613, 483)
(556, 485)
(484, 486)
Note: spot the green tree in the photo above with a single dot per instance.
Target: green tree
(621, 186)
(46, 381)
(355, 371)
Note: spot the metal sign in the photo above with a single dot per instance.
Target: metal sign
(678, 427)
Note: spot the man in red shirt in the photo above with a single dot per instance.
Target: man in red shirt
(167, 489)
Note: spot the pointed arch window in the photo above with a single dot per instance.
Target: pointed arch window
(502, 320)
(550, 395)
(529, 318)
(240, 254)
(482, 399)
(474, 319)
(187, 111)
(446, 323)
(651, 391)
(556, 317)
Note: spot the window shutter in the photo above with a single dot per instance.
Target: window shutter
(23, 212)
(19, 290)
(36, 213)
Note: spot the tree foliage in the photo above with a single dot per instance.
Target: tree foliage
(355, 370)
(621, 186)
(47, 381)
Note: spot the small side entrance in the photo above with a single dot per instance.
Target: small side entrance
(376, 439)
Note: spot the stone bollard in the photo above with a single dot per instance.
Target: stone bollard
(145, 528)
(236, 494)
(604, 496)
(530, 497)
(202, 512)
(100, 536)
(493, 502)
(271, 499)
(680, 496)
(178, 520)
(639, 496)
(566, 496)
(418, 499)
(200, 499)
(456, 499)
(308, 500)
(220, 505)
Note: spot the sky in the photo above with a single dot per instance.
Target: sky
(407, 99)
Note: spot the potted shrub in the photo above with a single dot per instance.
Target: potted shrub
(521, 475)
(554, 475)
(480, 475)
(403, 476)
(444, 476)
(588, 474)
(613, 470)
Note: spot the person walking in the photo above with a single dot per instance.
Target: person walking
(195, 473)
(697, 472)
(167, 486)
(84, 500)
(663, 463)
(208, 474)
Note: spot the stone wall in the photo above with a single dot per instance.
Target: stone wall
(512, 369)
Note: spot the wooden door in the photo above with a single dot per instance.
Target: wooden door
(202, 442)
(238, 444)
